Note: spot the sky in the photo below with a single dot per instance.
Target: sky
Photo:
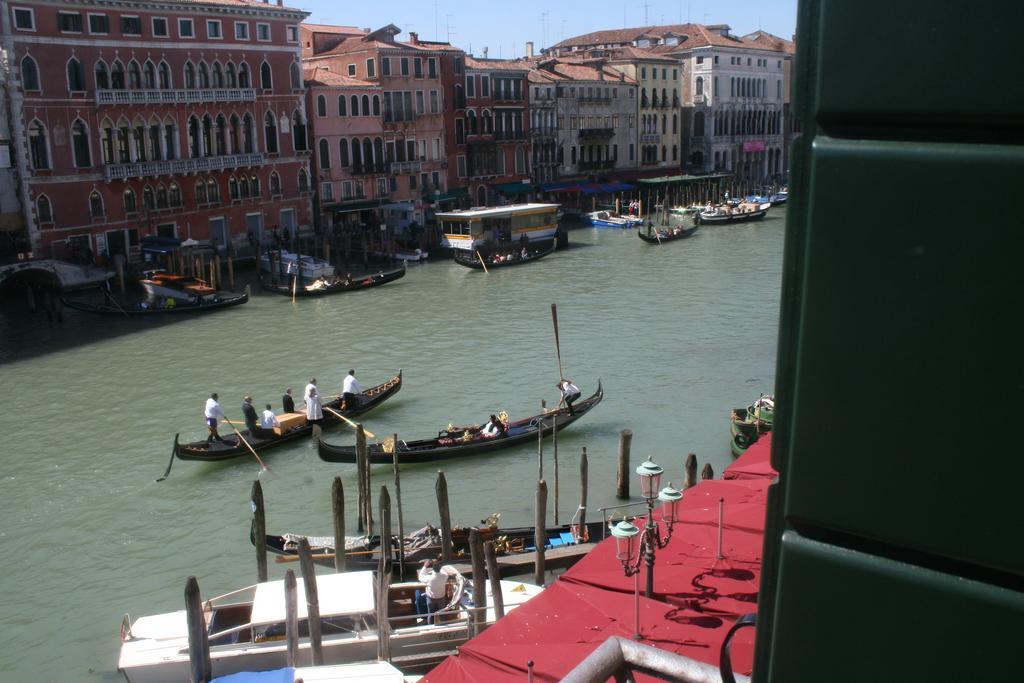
(505, 28)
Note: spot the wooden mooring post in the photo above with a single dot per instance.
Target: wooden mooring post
(707, 472)
(540, 532)
(478, 618)
(584, 466)
(200, 670)
(398, 502)
(338, 508)
(690, 471)
(259, 530)
(312, 601)
(361, 467)
(384, 578)
(494, 576)
(441, 490)
(291, 619)
(622, 475)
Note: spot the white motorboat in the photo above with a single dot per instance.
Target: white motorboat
(246, 628)
(287, 263)
(160, 285)
(607, 219)
(407, 255)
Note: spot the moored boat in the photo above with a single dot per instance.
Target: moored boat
(246, 627)
(112, 307)
(779, 198)
(293, 427)
(286, 264)
(666, 234)
(160, 285)
(756, 418)
(739, 213)
(607, 219)
(334, 284)
(498, 257)
(407, 255)
(460, 441)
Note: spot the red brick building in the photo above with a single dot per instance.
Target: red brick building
(176, 118)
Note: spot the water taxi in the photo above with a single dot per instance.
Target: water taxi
(481, 227)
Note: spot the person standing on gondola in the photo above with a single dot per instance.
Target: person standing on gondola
(287, 402)
(570, 392)
(213, 413)
(309, 388)
(349, 388)
(249, 413)
(314, 411)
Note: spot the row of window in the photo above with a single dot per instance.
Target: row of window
(649, 154)
(373, 155)
(398, 105)
(504, 88)
(655, 101)
(772, 158)
(591, 92)
(354, 189)
(131, 25)
(664, 72)
(169, 197)
(749, 122)
(150, 76)
(403, 67)
(649, 124)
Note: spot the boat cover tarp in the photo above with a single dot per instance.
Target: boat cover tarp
(286, 675)
(697, 596)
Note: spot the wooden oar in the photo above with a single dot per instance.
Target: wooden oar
(482, 261)
(656, 234)
(248, 445)
(295, 285)
(350, 422)
(174, 452)
(112, 300)
(558, 346)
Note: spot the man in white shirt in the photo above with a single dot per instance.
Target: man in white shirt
(434, 595)
(309, 387)
(213, 413)
(349, 388)
(570, 392)
(268, 420)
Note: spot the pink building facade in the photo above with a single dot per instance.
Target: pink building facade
(135, 118)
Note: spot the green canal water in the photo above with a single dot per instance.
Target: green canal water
(678, 334)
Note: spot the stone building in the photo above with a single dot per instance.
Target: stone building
(172, 118)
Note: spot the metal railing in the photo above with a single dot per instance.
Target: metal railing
(365, 169)
(178, 96)
(509, 135)
(142, 169)
(588, 133)
(649, 137)
(406, 166)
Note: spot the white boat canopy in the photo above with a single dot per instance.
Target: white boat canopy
(339, 595)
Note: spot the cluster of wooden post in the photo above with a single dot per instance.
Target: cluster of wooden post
(623, 471)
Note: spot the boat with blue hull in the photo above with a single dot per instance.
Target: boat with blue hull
(607, 219)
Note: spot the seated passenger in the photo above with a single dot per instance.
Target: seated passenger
(492, 429)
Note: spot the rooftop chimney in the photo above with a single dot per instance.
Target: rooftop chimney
(529, 48)
(414, 38)
(485, 53)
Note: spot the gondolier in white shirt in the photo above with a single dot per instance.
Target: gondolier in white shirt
(434, 596)
(570, 392)
(213, 413)
(349, 388)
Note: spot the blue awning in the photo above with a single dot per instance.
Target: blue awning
(616, 186)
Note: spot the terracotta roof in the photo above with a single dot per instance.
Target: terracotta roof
(690, 36)
(771, 42)
(495, 64)
(637, 53)
(324, 77)
(430, 46)
(573, 70)
(241, 3)
(327, 28)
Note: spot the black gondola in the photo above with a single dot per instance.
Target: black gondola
(112, 307)
(471, 258)
(683, 233)
(335, 285)
(363, 553)
(465, 440)
(234, 448)
(735, 215)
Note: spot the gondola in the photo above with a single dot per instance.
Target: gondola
(459, 441)
(363, 552)
(470, 258)
(734, 215)
(233, 448)
(143, 308)
(651, 239)
(334, 284)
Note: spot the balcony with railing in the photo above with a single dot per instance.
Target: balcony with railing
(143, 169)
(509, 135)
(369, 168)
(406, 166)
(649, 137)
(595, 99)
(507, 97)
(543, 131)
(110, 96)
(596, 133)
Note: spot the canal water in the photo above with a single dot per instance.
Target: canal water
(678, 334)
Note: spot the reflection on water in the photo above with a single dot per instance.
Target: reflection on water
(679, 334)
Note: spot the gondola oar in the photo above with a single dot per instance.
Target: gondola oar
(350, 422)
(656, 233)
(174, 452)
(247, 444)
(482, 261)
(558, 348)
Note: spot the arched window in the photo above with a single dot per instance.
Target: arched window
(357, 154)
(134, 75)
(164, 76)
(354, 102)
(244, 81)
(117, 75)
(376, 105)
(37, 146)
(220, 137)
(248, 136)
(481, 196)
(266, 82)
(296, 76)
(325, 154)
(95, 204)
(303, 180)
(101, 75)
(378, 150)
(270, 132)
(664, 153)
(520, 160)
(675, 152)
(298, 132)
(148, 203)
(698, 124)
(200, 192)
(321, 105)
(29, 74)
(207, 135)
(76, 76)
(367, 152)
(341, 105)
(130, 207)
(471, 122)
(170, 138)
(44, 210)
(161, 197)
(366, 105)
(254, 185)
(243, 186)
(193, 136)
(700, 86)
(275, 184)
(218, 75)
(204, 75)
(174, 195)
(212, 190)
(230, 75)
(80, 144)
(233, 188)
(149, 76)
(190, 76)
(343, 153)
(233, 135)
(487, 122)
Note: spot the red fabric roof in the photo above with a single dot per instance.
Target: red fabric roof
(755, 461)
(697, 595)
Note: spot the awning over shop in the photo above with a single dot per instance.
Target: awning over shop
(152, 244)
(560, 187)
(452, 194)
(598, 188)
(514, 188)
